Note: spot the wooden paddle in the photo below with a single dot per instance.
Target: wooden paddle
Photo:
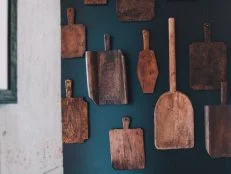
(127, 147)
(106, 75)
(173, 115)
(147, 70)
(74, 117)
(73, 37)
(95, 2)
(133, 10)
(218, 127)
(208, 62)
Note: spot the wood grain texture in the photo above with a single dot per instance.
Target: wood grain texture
(95, 2)
(173, 115)
(74, 117)
(135, 10)
(106, 76)
(208, 62)
(73, 43)
(147, 69)
(127, 147)
(218, 127)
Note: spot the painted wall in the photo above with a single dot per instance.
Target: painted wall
(30, 131)
(93, 157)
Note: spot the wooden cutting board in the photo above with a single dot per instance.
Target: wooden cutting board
(127, 147)
(95, 2)
(74, 117)
(73, 43)
(173, 115)
(106, 75)
(147, 70)
(218, 127)
(208, 62)
(135, 10)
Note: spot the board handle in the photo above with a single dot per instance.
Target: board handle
(70, 15)
(126, 122)
(172, 55)
(107, 42)
(146, 39)
(207, 32)
(224, 89)
(68, 84)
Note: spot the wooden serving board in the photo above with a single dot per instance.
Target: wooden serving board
(73, 43)
(127, 147)
(106, 76)
(95, 2)
(147, 69)
(208, 62)
(74, 117)
(173, 115)
(135, 10)
(218, 127)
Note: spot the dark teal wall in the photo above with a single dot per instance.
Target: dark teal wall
(93, 157)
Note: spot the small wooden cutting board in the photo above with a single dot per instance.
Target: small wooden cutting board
(106, 75)
(74, 117)
(208, 62)
(127, 147)
(73, 43)
(147, 69)
(218, 127)
(135, 10)
(95, 2)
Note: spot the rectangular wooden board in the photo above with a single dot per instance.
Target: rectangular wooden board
(106, 77)
(74, 118)
(127, 148)
(73, 37)
(208, 63)
(135, 10)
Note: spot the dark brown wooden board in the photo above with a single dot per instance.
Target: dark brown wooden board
(95, 2)
(208, 62)
(127, 147)
(218, 127)
(147, 69)
(74, 117)
(135, 10)
(73, 43)
(173, 115)
(106, 75)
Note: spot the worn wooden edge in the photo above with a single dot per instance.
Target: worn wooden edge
(91, 73)
(104, 2)
(207, 132)
(155, 116)
(10, 96)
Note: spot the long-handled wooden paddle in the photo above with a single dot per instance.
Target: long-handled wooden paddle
(173, 115)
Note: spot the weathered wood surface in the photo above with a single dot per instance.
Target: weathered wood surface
(218, 127)
(127, 147)
(95, 2)
(135, 10)
(106, 75)
(74, 117)
(208, 62)
(173, 115)
(73, 36)
(147, 69)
